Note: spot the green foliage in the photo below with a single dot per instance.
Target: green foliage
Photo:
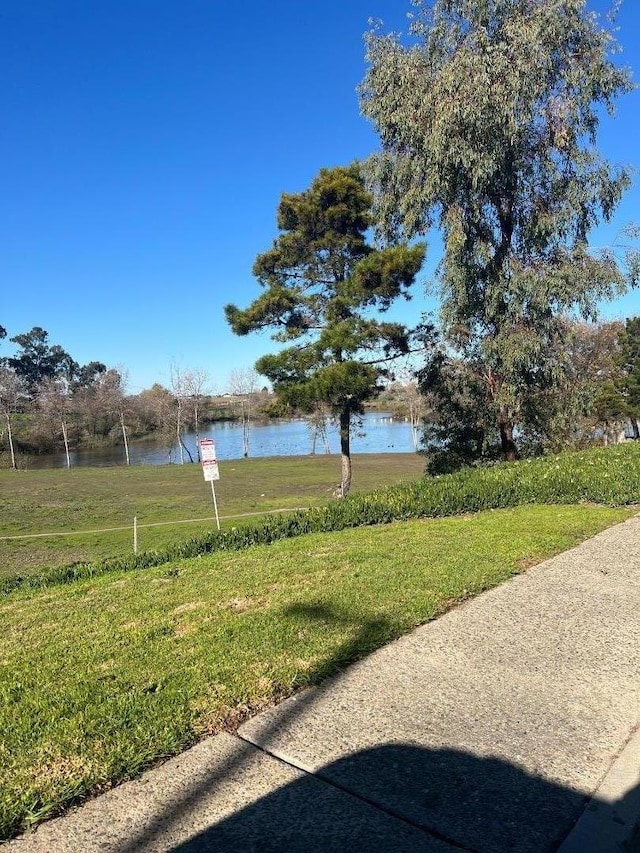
(629, 361)
(38, 361)
(322, 284)
(488, 120)
(459, 430)
(584, 404)
(587, 401)
(607, 476)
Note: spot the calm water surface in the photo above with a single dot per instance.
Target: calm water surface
(379, 433)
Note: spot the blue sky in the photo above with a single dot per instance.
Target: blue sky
(144, 147)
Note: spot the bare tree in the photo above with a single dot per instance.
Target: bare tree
(110, 392)
(593, 378)
(318, 426)
(406, 400)
(194, 383)
(54, 401)
(243, 383)
(13, 390)
(155, 408)
(180, 384)
(414, 404)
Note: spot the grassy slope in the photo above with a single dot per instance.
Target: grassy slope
(90, 498)
(100, 678)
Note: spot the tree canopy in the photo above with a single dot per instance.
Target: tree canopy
(38, 361)
(488, 116)
(629, 361)
(324, 286)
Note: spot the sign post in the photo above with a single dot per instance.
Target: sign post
(210, 469)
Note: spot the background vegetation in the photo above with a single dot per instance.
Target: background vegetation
(610, 477)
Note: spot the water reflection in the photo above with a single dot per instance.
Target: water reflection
(380, 433)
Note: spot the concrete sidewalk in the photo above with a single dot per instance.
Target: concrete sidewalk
(508, 724)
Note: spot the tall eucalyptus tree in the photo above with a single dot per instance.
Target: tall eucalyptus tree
(488, 114)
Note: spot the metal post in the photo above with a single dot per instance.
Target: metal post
(215, 504)
(135, 534)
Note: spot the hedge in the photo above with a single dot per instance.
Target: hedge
(608, 476)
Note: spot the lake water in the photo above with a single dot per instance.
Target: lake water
(379, 433)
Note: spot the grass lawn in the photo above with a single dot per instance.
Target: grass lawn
(84, 499)
(100, 678)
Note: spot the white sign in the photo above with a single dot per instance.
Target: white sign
(210, 471)
(209, 460)
(207, 450)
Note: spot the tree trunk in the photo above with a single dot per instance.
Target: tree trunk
(183, 449)
(414, 418)
(246, 416)
(325, 438)
(195, 418)
(125, 439)
(66, 442)
(10, 437)
(634, 427)
(345, 450)
(178, 426)
(507, 444)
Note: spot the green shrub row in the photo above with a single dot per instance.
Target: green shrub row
(608, 476)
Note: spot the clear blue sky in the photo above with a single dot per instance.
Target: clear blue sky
(144, 147)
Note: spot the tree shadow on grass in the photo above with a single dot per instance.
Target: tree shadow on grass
(393, 797)
(366, 637)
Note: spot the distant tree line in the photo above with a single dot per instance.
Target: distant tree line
(49, 402)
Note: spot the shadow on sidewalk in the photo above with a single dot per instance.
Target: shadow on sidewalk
(472, 804)
(393, 797)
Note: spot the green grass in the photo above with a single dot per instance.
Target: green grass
(100, 678)
(608, 476)
(92, 498)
